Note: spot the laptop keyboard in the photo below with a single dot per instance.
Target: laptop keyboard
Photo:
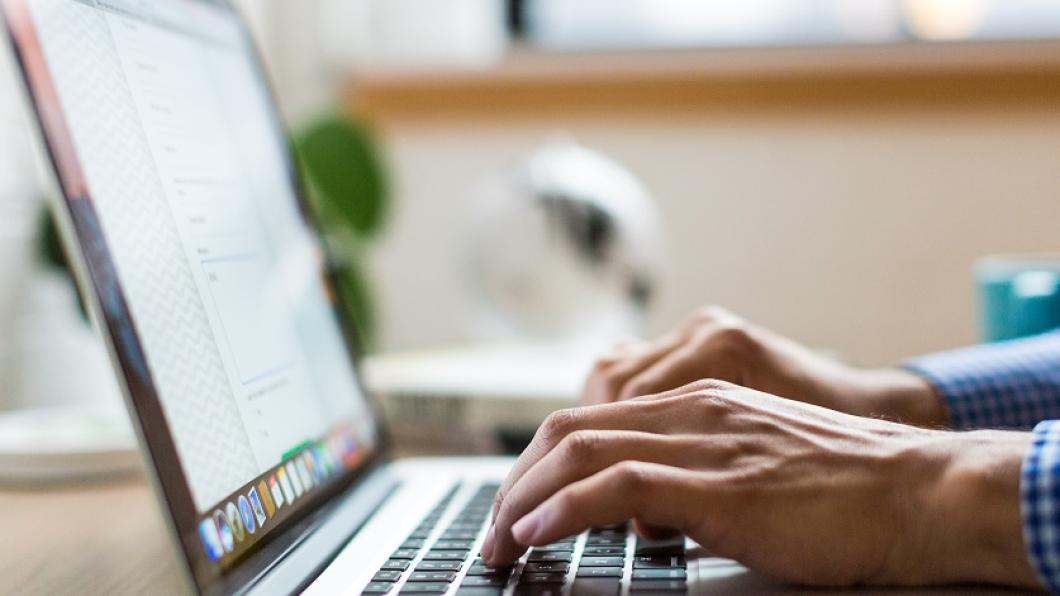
(602, 562)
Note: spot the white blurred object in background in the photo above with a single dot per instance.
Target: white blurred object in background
(413, 32)
(565, 246)
(61, 414)
(18, 211)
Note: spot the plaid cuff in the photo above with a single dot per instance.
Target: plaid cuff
(1013, 384)
(1040, 503)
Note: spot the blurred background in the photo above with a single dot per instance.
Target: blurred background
(830, 169)
(508, 186)
(827, 168)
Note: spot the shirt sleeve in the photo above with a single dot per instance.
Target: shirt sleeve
(1013, 384)
(1040, 503)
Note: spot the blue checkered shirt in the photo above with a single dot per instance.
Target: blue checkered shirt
(1015, 385)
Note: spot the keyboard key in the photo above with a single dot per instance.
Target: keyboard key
(602, 562)
(445, 555)
(544, 557)
(604, 550)
(419, 534)
(547, 567)
(439, 566)
(377, 588)
(396, 564)
(605, 541)
(386, 576)
(659, 562)
(600, 572)
(542, 578)
(464, 527)
(425, 588)
(405, 553)
(413, 543)
(667, 546)
(459, 535)
(452, 545)
(596, 586)
(495, 581)
(539, 590)
(477, 591)
(480, 569)
(556, 547)
(659, 574)
(656, 586)
(432, 576)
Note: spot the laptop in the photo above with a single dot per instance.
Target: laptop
(181, 210)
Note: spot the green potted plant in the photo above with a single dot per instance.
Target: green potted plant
(348, 190)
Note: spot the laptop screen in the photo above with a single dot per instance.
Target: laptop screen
(181, 192)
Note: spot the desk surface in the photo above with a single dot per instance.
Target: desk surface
(96, 539)
(110, 539)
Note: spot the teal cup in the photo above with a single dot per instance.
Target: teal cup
(1019, 295)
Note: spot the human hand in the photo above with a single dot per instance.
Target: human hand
(713, 343)
(802, 493)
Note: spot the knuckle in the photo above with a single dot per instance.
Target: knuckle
(603, 363)
(581, 444)
(605, 380)
(708, 387)
(499, 500)
(558, 424)
(504, 512)
(740, 346)
(631, 477)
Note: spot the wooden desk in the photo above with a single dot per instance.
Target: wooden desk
(88, 539)
(110, 539)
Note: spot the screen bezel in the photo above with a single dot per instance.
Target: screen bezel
(98, 283)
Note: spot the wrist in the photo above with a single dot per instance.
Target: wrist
(970, 519)
(902, 396)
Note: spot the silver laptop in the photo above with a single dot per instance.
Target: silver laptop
(182, 212)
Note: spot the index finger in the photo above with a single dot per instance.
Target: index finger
(654, 493)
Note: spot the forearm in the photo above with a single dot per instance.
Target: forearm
(900, 396)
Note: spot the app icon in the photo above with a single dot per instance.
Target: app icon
(233, 518)
(305, 460)
(349, 450)
(322, 462)
(296, 480)
(311, 465)
(285, 484)
(277, 490)
(333, 453)
(266, 498)
(303, 473)
(246, 514)
(224, 529)
(211, 540)
(255, 505)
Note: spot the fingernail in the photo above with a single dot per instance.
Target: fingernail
(487, 544)
(525, 529)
